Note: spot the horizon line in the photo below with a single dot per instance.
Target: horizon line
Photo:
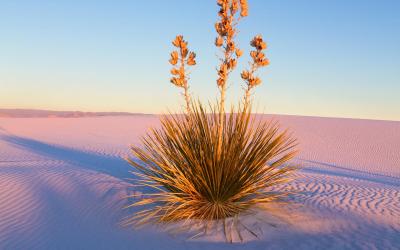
(48, 113)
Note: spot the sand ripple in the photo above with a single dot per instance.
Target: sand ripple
(62, 183)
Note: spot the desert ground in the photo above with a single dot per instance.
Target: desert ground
(63, 182)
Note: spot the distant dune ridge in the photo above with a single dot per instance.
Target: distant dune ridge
(62, 183)
(24, 113)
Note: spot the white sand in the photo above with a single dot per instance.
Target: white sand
(62, 179)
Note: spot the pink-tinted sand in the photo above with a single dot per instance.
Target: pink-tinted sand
(62, 181)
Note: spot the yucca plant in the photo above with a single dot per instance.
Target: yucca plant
(208, 166)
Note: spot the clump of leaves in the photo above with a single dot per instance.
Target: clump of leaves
(209, 165)
(187, 179)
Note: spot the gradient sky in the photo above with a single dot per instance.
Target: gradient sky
(336, 58)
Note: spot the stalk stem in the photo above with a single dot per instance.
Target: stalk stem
(227, 56)
(247, 94)
(185, 85)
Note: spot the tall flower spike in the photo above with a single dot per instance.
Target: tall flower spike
(226, 30)
(258, 61)
(179, 60)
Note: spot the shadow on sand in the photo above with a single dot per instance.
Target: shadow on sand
(113, 166)
(119, 168)
(335, 170)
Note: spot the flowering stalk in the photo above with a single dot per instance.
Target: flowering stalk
(178, 71)
(226, 30)
(259, 61)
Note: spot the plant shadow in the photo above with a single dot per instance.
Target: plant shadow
(331, 169)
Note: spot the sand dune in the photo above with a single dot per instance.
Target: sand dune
(62, 181)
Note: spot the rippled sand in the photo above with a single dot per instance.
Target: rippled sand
(62, 181)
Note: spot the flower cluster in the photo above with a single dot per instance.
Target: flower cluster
(259, 60)
(250, 79)
(226, 31)
(184, 57)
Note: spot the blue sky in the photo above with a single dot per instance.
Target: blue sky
(328, 58)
